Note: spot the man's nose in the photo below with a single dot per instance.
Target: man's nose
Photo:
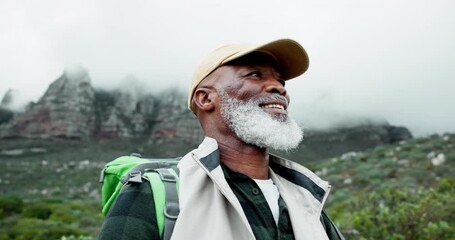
(276, 86)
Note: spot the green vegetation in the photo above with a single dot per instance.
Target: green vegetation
(399, 213)
(10, 205)
(400, 191)
(49, 219)
(67, 169)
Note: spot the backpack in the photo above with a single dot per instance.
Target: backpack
(164, 181)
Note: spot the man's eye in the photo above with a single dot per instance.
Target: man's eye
(255, 74)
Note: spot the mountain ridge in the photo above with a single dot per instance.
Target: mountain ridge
(71, 108)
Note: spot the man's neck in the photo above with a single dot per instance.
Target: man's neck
(244, 158)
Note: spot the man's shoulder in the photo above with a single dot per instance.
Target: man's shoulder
(207, 153)
(132, 216)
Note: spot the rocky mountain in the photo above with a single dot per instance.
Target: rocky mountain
(336, 141)
(8, 98)
(65, 110)
(72, 109)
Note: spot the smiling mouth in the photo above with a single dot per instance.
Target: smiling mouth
(276, 106)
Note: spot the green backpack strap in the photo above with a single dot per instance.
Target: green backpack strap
(164, 183)
(111, 177)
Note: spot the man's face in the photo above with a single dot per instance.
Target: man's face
(255, 77)
(254, 102)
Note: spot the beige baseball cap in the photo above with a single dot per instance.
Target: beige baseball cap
(291, 57)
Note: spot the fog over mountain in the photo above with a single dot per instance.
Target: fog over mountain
(382, 60)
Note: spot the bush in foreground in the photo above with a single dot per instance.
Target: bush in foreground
(50, 219)
(393, 213)
(10, 205)
(37, 210)
(38, 229)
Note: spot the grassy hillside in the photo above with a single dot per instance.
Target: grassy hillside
(401, 191)
(50, 189)
(65, 168)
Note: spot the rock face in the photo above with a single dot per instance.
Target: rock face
(65, 110)
(160, 119)
(8, 99)
(368, 134)
(336, 141)
(72, 108)
(6, 114)
(175, 123)
(121, 114)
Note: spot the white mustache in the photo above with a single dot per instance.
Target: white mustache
(274, 97)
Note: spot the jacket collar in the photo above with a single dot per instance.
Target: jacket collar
(209, 156)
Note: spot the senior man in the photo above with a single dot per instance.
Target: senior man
(231, 187)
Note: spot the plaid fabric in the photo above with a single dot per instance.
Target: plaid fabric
(132, 216)
(256, 208)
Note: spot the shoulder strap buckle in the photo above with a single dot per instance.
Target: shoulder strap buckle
(166, 176)
(134, 177)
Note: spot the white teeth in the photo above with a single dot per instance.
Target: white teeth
(274, 106)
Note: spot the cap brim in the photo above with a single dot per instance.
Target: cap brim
(291, 56)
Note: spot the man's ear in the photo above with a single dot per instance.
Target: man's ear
(203, 98)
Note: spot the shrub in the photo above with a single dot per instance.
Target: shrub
(68, 213)
(400, 213)
(10, 204)
(54, 200)
(81, 214)
(37, 210)
(380, 151)
(38, 229)
(450, 157)
(416, 154)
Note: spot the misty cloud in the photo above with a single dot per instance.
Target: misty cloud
(385, 60)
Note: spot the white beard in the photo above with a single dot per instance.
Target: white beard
(256, 127)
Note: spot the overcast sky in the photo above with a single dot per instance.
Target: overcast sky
(381, 59)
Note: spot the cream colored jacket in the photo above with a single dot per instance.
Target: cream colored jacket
(210, 210)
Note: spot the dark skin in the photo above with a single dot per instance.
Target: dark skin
(244, 80)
